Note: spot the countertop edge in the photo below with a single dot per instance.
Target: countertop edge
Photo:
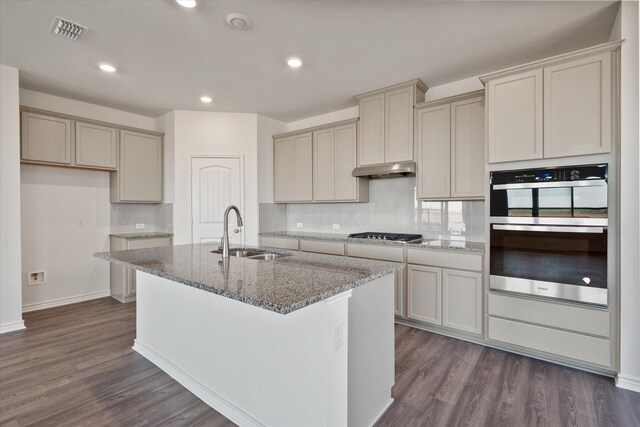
(251, 301)
(332, 238)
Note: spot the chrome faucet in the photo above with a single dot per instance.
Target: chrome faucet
(224, 245)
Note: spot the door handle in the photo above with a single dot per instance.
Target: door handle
(549, 229)
(555, 184)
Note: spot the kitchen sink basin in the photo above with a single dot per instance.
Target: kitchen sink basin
(257, 254)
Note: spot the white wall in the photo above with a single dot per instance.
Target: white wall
(629, 376)
(54, 201)
(167, 124)
(267, 127)
(198, 132)
(10, 288)
(334, 116)
(83, 109)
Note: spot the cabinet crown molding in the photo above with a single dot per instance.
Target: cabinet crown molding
(314, 128)
(554, 60)
(88, 121)
(417, 83)
(450, 99)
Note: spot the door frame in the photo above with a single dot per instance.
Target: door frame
(190, 158)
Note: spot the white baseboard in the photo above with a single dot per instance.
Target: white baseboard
(204, 393)
(381, 413)
(628, 382)
(12, 326)
(64, 301)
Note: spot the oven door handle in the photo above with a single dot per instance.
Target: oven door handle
(548, 228)
(556, 184)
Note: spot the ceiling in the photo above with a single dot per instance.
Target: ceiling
(168, 56)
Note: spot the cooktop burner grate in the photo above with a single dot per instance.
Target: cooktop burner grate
(394, 237)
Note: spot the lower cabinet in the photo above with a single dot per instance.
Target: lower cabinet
(445, 297)
(123, 279)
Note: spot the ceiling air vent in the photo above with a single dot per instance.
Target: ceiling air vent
(68, 29)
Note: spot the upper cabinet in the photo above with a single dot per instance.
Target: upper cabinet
(46, 138)
(96, 146)
(139, 177)
(386, 123)
(450, 148)
(315, 165)
(293, 168)
(133, 156)
(557, 107)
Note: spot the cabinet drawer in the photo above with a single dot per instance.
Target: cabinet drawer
(148, 243)
(578, 319)
(567, 344)
(375, 252)
(445, 259)
(331, 248)
(279, 242)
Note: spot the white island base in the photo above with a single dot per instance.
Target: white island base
(328, 364)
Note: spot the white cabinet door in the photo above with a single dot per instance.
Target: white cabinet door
(462, 300)
(140, 173)
(424, 294)
(577, 107)
(434, 154)
(399, 124)
(302, 168)
(467, 148)
(96, 146)
(46, 139)
(324, 164)
(346, 186)
(283, 163)
(514, 114)
(372, 132)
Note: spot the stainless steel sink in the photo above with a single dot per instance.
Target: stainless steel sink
(257, 254)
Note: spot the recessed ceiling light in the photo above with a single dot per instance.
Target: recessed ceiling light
(239, 21)
(107, 67)
(294, 62)
(206, 99)
(187, 3)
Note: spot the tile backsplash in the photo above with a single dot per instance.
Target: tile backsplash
(155, 217)
(392, 207)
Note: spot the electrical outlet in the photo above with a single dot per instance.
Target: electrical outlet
(37, 278)
(338, 336)
(336, 226)
(139, 226)
(299, 224)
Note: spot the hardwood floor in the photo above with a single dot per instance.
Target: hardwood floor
(74, 365)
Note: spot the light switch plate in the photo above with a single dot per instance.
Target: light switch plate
(139, 226)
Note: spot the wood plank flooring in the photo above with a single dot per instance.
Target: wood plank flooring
(73, 365)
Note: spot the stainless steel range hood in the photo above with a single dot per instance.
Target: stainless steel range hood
(386, 170)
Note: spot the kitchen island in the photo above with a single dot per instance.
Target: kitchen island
(299, 340)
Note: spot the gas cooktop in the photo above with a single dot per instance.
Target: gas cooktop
(394, 237)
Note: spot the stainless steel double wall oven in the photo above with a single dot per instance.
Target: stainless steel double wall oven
(548, 234)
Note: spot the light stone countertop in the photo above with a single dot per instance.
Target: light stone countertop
(282, 285)
(438, 244)
(142, 235)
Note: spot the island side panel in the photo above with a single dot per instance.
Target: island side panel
(254, 366)
(371, 351)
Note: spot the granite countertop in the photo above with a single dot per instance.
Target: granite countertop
(282, 285)
(142, 235)
(451, 245)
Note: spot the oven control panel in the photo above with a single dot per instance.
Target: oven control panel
(559, 174)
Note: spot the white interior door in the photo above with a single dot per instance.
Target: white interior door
(216, 182)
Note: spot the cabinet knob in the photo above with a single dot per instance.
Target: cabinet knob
(237, 230)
